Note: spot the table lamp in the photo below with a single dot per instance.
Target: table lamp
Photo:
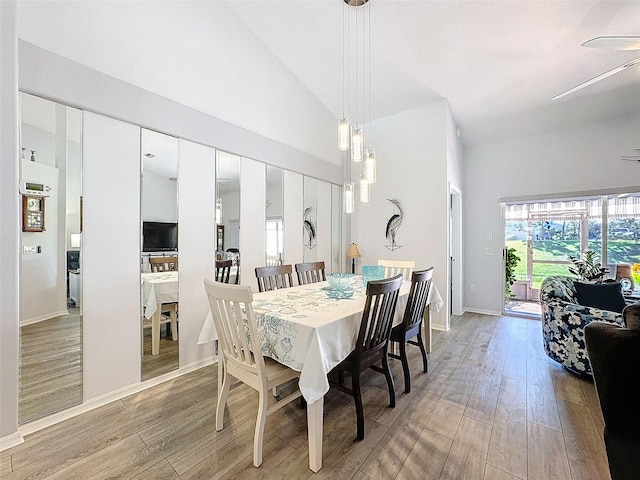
(353, 253)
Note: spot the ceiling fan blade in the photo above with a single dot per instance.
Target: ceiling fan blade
(602, 76)
(614, 43)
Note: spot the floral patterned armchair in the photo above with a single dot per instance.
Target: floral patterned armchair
(563, 322)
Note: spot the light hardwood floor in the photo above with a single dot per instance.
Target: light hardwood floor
(492, 406)
(50, 366)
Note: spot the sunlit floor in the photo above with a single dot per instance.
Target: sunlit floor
(523, 308)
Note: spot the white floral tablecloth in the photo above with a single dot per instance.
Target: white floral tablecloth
(303, 328)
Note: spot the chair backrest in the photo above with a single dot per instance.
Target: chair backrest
(223, 270)
(163, 264)
(310, 272)
(271, 278)
(418, 295)
(232, 311)
(377, 316)
(395, 267)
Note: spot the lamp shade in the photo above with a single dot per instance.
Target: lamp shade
(353, 251)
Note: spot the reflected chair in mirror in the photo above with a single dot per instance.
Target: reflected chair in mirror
(223, 270)
(163, 264)
(395, 267)
(411, 326)
(233, 254)
(168, 316)
(232, 311)
(371, 344)
(311, 272)
(276, 277)
(613, 353)
(166, 264)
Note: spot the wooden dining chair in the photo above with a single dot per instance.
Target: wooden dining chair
(411, 326)
(371, 344)
(394, 267)
(223, 270)
(232, 311)
(163, 264)
(310, 272)
(272, 278)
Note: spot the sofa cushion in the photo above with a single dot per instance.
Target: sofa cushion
(605, 296)
(631, 316)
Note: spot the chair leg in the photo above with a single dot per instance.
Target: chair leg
(223, 393)
(259, 435)
(357, 397)
(425, 363)
(405, 367)
(389, 377)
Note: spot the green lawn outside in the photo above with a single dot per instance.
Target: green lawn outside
(627, 251)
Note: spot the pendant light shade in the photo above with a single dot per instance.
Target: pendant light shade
(365, 190)
(370, 165)
(343, 134)
(349, 197)
(357, 145)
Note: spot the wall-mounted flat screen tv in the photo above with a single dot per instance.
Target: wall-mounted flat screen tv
(159, 236)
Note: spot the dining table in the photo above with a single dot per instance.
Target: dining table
(309, 330)
(158, 288)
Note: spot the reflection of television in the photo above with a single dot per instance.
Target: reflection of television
(159, 236)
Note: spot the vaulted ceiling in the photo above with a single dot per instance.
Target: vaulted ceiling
(498, 63)
(277, 67)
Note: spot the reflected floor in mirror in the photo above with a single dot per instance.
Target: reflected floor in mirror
(50, 366)
(166, 360)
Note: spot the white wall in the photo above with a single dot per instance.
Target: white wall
(411, 150)
(241, 80)
(252, 220)
(43, 288)
(197, 214)
(293, 229)
(574, 160)
(111, 323)
(10, 231)
(159, 198)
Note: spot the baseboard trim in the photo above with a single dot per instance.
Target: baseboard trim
(89, 405)
(42, 318)
(483, 312)
(12, 440)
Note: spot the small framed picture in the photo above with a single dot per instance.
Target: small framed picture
(32, 214)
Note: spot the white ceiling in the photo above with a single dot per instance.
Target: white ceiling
(275, 67)
(498, 63)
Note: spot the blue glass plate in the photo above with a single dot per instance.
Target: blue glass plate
(338, 293)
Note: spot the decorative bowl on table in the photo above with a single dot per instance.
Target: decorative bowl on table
(340, 281)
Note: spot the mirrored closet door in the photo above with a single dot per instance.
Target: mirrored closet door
(159, 258)
(275, 216)
(227, 216)
(50, 258)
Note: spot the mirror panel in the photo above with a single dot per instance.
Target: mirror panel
(336, 229)
(159, 254)
(50, 273)
(228, 211)
(309, 219)
(275, 217)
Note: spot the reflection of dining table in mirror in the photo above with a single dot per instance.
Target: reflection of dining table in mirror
(305, 329)
(158, 291)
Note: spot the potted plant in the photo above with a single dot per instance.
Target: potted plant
(588, 268)
(511, 261)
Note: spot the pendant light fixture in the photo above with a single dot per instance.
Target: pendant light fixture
(352, 136)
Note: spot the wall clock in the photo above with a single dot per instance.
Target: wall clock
(32, 214)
